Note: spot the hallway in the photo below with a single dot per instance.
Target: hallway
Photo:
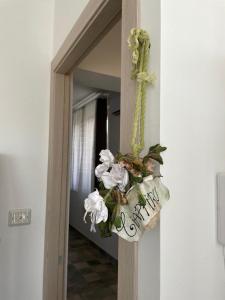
(92, 274)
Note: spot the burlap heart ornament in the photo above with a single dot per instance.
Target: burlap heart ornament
(135, 218)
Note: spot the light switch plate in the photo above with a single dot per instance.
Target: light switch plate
(19, 217)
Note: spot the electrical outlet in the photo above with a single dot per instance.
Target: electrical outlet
(19, 217)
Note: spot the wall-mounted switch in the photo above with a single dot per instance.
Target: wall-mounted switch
(19, 216)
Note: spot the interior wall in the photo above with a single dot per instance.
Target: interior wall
(105, 57)
(149, 245)
(97, 80)
(81, 91)
(25, 54)
(65, 15)
(193, 128)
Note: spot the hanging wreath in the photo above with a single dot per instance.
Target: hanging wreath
(130, 195)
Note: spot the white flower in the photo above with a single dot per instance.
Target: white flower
(117, 176)
(120, 175)
(108, 181)
(95, 205)
(101, 169)
(124, 182)
(106, 157)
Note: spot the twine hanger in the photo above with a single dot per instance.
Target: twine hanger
(139, 43)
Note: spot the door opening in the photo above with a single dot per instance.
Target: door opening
(95, 22)
(93, 260)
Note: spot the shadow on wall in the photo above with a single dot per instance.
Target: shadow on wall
(21, 247)
(10, 241)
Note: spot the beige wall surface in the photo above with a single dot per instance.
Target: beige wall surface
(25, 55)
(105, 58)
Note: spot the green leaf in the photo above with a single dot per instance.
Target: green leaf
(145, 173)
(119, 156)
(105, 229)
(141, 200)
(117, 222)
(135, 179)
(152, 148)
(157, 149)
(156, 157)
(101, 185)
(154, 153)
(103, 192)
(113, 213)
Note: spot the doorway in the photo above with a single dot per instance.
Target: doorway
(96, 20)
(92, 260)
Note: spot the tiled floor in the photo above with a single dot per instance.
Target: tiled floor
(92, 274)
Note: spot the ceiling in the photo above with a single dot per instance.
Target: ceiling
(105, 57)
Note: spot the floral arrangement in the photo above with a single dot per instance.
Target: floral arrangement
(129, 196)
(116, 175)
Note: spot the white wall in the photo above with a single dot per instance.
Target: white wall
(149, 246)
(193, 128)
(25, 52)
(66, 13)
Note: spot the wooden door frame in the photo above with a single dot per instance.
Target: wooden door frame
(95, 21)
